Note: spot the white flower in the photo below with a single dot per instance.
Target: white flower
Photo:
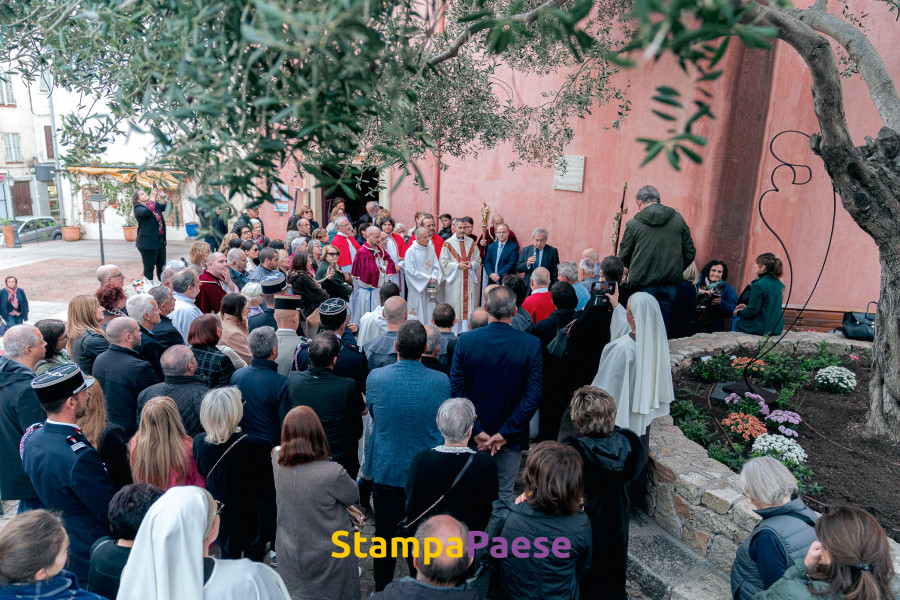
(836, 379)
(780, 448)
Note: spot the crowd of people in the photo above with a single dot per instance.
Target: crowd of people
(269, 393)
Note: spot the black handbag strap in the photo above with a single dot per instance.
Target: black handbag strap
(452, 485)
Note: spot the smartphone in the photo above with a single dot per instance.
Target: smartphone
(604, 287)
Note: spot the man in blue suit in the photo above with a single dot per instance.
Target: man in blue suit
(499, 369)
(539, 254)
(403, 399)
(501, 256)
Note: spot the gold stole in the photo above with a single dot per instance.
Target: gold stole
(459, 258)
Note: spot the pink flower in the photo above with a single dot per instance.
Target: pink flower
(787, 432)
(854, 357)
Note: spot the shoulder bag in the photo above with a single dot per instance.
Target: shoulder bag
(559, 344)
(227, 450)
(406, 527)
(482, 579)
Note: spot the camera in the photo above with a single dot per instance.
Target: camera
(598, 293)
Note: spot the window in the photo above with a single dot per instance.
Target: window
(7, 97)
(12, 147)
(44, 82)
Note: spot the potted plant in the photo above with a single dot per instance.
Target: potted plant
(71, 233)
(9, 233)
(125, 208)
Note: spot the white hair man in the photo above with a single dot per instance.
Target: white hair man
(144, 309)
(367, 220)
(237, 266)
(182, 385)
(461, 268)
(423, 275)
(185, 287)
(588, 273)
(568, 272)
(345, 243)
(164, 332)
(371, 269)
(19, 407)
(538, 255)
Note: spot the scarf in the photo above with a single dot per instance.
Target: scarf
(13, 297)
(159, 219)
(712, 287)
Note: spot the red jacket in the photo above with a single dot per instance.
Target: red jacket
(209, 300)
(539, 306)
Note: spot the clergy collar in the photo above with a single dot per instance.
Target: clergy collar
(542, 290)
(462, 239)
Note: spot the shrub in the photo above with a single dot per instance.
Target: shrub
(733, 459)
(691, 420)
(751, 404)
(782, 370)
(836, 379)
(744, 425)
(714, 368)
(787, 421)
(823, 358)
(779, 447)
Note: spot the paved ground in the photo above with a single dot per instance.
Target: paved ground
(51, 273)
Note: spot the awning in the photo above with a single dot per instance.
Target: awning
(165, 179)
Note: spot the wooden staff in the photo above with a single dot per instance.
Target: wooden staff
(617, 221)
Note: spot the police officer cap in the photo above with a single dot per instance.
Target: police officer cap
(273, 284)
(287, 302)
(333, 312)
(60, 383)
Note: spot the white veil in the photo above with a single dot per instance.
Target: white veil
(166, 562)
(653, 374)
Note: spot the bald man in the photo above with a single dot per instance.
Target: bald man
(538, 304)
(123, 374)
(372, 268)
(448, 573)
(215, 282)
(381, 351)
(110, 275)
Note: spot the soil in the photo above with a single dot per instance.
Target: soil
(849, 468)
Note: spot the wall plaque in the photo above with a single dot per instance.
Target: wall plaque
(572, 179)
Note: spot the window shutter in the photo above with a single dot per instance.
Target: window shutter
(6, 89)
(48, 138)
(12, 147)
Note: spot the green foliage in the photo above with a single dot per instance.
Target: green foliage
(717, 368)
(783, 370)
(805, 481)
(733, 459)
(821, 359)
(691, 420)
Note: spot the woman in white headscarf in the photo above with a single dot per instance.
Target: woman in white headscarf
(634, 369)
(170, 558)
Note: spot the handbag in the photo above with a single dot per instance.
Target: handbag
(406, 527)
(227, 450)
(482, 579)
(859, 326)
(560, 343)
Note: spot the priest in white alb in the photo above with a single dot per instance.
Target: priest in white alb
(422, 270)
(460, 266)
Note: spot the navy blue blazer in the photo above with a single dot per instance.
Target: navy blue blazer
(500, 370)
(69, 477)
(266, 399)
(5, 306)
(507, 262)
(549, 260)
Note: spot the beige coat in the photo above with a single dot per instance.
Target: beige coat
(235, 335)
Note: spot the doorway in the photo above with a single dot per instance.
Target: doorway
(366, 189)
(21, 193)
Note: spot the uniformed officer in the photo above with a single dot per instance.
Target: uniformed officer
(63, 466)
(271, 285)
(288, 316)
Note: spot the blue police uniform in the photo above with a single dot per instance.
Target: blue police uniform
(67, 471)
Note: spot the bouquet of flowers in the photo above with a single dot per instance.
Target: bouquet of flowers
(744, 425)
(836, 379)
(780, 448)
(141, 285)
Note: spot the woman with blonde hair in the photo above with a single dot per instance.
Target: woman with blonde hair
(330, 277)
(199, 253)
(224, 246)
(107, 438)
(86, 340)
(161, 452)
(170, 557)
(235, 334)
(238, 471)
(306, 212)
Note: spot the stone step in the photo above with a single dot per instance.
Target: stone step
(666, 569)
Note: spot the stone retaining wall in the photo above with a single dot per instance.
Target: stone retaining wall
(693, 497)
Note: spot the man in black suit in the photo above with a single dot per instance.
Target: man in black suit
(433, 350)
(539, 254)
(500, 370)
(164, 332)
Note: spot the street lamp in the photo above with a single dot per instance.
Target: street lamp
(98, 203)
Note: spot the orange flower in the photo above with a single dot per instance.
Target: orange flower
(756, 368)
(747, 426)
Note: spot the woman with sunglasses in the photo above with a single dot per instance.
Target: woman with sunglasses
(330, 276)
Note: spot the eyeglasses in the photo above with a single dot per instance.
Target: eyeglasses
(116, 275)
(219, 506)
(334, 253)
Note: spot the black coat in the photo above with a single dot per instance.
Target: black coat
(311, 295)
(243, 482)
(70, 479)
(264, 319)
(558, 384)
(436, 365)
(5, 305)
(266, 402)
(148, 235)
(149, 351)
(411, 589)
(350, 363)
(588, 336)
(19, 409)
(114, 454)
(681, 321)
(166, 335)
(244, 221)
(187, 391)
(122, 375)
(86, 349)
(338, 405)
(611, 464)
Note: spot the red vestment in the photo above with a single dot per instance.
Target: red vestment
(209, 300)
(342, 243)
(365, 268)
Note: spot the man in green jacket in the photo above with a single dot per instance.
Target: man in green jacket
(657, 248)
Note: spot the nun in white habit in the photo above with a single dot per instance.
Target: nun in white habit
(170, 560)
(635, 368)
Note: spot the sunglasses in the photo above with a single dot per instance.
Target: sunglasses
(334, 253)
(219, 506)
